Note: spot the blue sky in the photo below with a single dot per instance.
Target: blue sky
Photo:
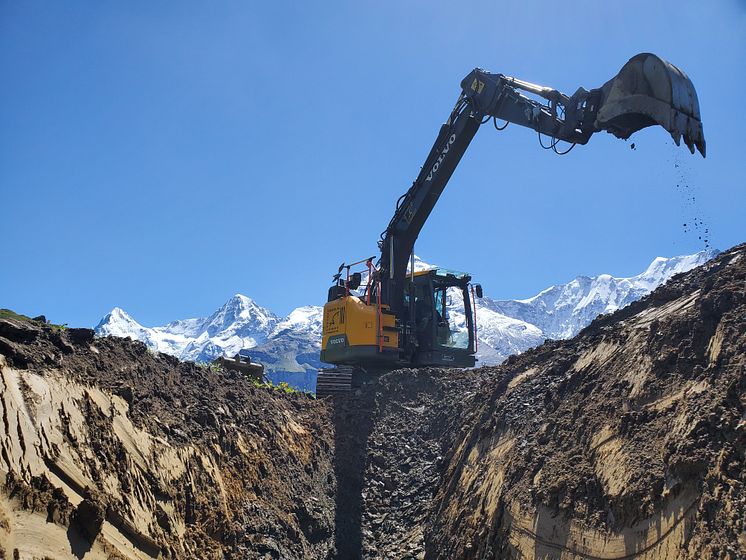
(162, 156)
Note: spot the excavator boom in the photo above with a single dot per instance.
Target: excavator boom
(403, 320)
(646, 91)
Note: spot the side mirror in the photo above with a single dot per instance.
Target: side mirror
(478, 289)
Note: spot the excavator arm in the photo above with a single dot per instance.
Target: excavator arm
(647, 91)
(403, 321)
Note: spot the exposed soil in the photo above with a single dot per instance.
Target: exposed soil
(146, 455)
(625, 442)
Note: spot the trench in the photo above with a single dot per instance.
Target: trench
(352, 428)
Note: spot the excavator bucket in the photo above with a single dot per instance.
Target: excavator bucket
(648, 91)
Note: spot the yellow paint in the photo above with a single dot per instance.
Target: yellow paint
(359, 322)
(477, 85)
(422, 272)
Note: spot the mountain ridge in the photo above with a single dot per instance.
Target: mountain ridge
(289, 346)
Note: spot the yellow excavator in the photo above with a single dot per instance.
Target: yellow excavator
(381, 314)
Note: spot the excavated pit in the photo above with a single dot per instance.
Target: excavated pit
(624, 442)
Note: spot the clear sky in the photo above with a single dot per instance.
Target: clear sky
(162, 156)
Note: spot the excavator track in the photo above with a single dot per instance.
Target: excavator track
(334, 381)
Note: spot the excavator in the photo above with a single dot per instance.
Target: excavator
(382, 314)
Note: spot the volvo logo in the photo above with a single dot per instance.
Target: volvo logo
(442, 156)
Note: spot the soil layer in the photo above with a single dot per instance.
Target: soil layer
(624, 442)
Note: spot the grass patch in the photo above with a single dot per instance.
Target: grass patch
(10, 314)
(282, 386)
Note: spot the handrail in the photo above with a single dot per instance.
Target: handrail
(474, 306)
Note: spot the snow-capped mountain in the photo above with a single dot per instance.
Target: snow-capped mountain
(302, 320)
(118, 323)
(507, 327)
(289, 347)
(239, 323)
(564, 310)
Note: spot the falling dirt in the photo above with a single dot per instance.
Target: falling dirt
(624, 442)
(693, 219)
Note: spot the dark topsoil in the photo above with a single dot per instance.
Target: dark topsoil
(383, 476)
(281, 494)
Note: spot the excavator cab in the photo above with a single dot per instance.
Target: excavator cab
(362, 336)
(439, 323)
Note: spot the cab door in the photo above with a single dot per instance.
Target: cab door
(424, 314)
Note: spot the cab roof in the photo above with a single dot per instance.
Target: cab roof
(444, 272)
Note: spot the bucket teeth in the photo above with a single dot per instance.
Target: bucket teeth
(649, 91)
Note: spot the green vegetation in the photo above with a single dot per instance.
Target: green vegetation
(216, 367)
(282, 386)
(9, 314)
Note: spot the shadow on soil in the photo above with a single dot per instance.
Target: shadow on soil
(353, 422)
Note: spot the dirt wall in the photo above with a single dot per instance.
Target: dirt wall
(624, 442)
(147, 457)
